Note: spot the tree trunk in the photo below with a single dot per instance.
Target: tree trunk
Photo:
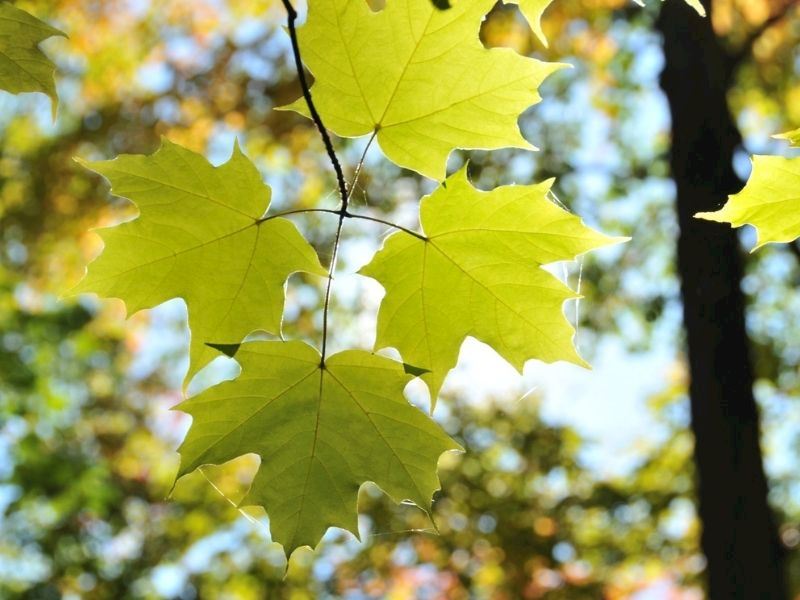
(739, 537)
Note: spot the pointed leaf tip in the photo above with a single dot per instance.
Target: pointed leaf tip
(533, 10)
(770, 201)
(793, 137)
(25, 66)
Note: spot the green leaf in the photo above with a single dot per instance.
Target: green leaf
(533, 11)
(695, 4)
(698, 6)
(23, 67)
(199, 236)
(418, 76)
(770, 201)
(792, 136)
(320, 433)
(477, 274)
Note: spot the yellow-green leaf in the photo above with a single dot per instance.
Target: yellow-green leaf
(419, 77)
(695, 4)
(199, 236)
(770, 201)
(533, 11)
(23, 67)
(321, 432)
(793, 137)
(478, 274)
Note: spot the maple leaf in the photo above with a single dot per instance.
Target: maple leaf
(698, 6)
(477, 275)
(419, 77)
(23, 67)
(695, 4)
(793, 137)
(200, 236)
(770, 201)
(320, 431)
(533, 11)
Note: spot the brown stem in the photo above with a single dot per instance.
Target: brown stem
(301, 75)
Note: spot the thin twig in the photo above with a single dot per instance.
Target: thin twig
(388, 223)
(291, 14)
(368, 218)
(329, 286)
(301, 75)
(343, 191)
(299, 211)
(347, 215)
(360, 165)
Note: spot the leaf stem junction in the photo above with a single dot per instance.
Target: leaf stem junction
(344, 191)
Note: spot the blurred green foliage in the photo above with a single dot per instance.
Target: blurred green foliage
(87, 462)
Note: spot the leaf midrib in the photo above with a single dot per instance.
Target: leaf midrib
(253, 415)
(490, 292)
(175, 254)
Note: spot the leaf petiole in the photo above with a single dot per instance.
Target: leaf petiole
(347, 215)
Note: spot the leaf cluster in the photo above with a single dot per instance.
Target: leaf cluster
(323, 425)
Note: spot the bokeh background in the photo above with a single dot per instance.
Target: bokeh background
(575, 484)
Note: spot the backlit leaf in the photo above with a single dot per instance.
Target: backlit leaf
(320, 432)
(698, 6)
(793, 137)
(478, 274)
(533, 11)
(770, 201)
(419, 77)
(23, 67)
(695, 4)
(199, 236)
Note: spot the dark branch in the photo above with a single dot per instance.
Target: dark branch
(301, 74)
(343, 191)
(326, 139)
(743, 53)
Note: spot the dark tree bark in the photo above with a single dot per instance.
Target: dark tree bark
(739, 536)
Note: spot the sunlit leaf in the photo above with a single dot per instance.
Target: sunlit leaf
(321, 432)
(419, 77)
(770, 201)
(23, 66)
(793, 137)
(533, 11)
(478, 274)
(695, 4)
(200, 236)
(698, 6)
